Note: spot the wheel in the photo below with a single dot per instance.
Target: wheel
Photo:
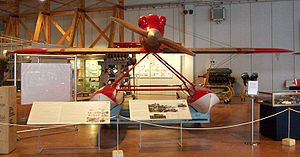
(227, 101)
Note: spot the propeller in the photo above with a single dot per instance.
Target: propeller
(130, 26)
(175, 46)
(157, 39)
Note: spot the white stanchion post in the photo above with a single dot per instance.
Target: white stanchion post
(99, 138)
(289, 122)
(15, 69)
(39, 141)
(252, 91)
(289, 141)
(117, 153)
(75, 78)
(181, 134)
(140, 135)
(252, 119)
(252, 143)
(118, 133)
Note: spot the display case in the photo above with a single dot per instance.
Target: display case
(280, 98)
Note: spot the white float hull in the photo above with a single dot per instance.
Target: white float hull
(205, 103)
(102, 97)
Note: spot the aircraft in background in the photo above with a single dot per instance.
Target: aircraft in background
(151, 28)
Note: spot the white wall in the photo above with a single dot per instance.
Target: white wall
(268, 24)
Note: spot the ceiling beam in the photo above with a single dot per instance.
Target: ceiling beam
(59, 28)
(38, 27)
(5, 11)
(46, 15)
(30, 8)
(26, 28)
(82, 25)
(100, 36)
(97, 28)
(64, 5)
(121, 16)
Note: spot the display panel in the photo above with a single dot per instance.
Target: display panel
(159, 110)
(87, 112)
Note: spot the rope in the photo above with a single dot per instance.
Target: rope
(295, 110)
(45, 127)
(212, 128)
(163, 126)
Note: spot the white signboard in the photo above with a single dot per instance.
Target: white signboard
(252, 87)
(159, 110)
(45, 82)
(86, 112)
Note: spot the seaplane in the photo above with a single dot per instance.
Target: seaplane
(151, 30)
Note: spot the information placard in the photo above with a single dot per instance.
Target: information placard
(252, 87)
(86, 112)
(159, 110)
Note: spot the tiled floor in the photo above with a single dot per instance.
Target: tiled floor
(223, 143)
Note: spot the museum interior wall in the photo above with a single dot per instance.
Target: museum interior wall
(268, 24)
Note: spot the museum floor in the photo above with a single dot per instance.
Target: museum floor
(225, 143)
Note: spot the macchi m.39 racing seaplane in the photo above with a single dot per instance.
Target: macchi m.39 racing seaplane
(151, 28)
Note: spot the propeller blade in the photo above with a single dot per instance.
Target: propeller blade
(238, 50)
(296, 53)
(175, 46)
(130, 26)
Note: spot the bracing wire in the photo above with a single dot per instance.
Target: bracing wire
(218, 43)
(215, 42)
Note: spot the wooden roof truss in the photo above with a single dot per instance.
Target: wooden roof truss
(44, 13)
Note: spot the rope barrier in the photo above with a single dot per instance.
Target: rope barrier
(46, 127)
(161, 126)
(211, 128)
(295, 110)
